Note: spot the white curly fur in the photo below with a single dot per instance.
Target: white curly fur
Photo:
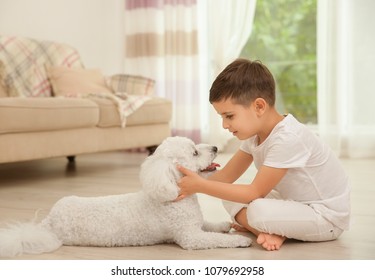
(146, 217)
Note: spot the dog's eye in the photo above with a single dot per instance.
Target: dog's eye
(195, 153)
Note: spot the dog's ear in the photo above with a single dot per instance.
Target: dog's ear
(159, 178)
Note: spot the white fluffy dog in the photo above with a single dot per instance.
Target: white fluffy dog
(144, 218)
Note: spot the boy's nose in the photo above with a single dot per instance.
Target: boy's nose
(225, 124)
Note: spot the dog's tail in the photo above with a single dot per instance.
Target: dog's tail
(28, 238)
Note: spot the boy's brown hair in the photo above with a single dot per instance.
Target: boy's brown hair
(244, 81)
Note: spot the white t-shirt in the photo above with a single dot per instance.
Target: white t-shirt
(315, 176)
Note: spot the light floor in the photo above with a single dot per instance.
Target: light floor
(28, 186)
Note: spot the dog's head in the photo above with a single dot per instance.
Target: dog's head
(183, 151)
(159, 174)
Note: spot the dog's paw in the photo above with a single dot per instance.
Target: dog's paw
(218, 227)
(224, 226)
(241, 241)
(211, 240)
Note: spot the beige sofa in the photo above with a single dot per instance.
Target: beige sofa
(45, 126)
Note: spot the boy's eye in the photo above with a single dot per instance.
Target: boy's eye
(229, 117)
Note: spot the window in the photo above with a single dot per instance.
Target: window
(284, 39)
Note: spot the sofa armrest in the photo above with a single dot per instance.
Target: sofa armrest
(3, 92)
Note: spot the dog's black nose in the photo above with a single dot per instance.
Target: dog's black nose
(214, 149)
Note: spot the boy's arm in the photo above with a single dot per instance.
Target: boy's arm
(235, 167)
(265, 180)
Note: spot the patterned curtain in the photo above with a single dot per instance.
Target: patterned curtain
(161, 42)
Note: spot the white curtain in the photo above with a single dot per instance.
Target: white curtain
(346, 69)
(229, 25)
(183, 45)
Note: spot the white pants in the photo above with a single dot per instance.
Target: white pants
(285, 218)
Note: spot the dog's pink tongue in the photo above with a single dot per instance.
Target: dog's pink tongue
(212, 167)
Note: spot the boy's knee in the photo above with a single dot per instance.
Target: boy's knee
(233, 208)
(255, 214)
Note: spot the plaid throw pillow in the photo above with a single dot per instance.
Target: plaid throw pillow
(130, 84)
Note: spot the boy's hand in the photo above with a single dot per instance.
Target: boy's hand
(189, 183)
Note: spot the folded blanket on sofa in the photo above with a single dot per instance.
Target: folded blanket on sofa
(23, 63)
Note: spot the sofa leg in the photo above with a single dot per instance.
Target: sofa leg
(71, 159)
(151, 149)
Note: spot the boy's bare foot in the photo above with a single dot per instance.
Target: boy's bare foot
(270, 242)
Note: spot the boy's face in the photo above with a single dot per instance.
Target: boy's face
(242, 121)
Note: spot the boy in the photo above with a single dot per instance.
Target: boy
(300, 190)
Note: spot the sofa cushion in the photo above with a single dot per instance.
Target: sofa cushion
(153, 111)
(73, 81)
(46, 114)
(156, 110)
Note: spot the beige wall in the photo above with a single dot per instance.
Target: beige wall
(94, 27)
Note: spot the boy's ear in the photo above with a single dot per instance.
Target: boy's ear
(260, 105)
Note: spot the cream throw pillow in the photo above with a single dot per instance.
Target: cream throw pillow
(73, 81)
